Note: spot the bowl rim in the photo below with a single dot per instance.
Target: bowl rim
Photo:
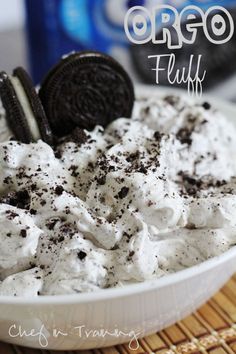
(139, 287)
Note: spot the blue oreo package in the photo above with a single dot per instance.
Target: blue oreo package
(56, 27)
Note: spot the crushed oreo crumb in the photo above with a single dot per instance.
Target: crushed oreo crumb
(23, 233)
(101, 180)
(59, 190)
(19, 199)
(184, 136)
(123, 192)
(206, 106)
(82, 255)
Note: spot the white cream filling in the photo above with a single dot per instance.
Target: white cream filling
(29, 115)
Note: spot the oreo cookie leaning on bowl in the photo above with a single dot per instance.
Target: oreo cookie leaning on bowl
(84, 90)
(24, 112)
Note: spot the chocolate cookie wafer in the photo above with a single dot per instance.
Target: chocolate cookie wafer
(84, 90)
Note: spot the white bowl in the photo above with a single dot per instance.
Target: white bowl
(115, 316)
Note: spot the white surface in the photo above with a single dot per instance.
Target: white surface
(11, 14)
(140, 308)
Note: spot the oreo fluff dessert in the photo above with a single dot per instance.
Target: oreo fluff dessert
(98, 189)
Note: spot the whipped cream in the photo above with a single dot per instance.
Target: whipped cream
(145, 197)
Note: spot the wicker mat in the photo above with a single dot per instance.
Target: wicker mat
(212, 329)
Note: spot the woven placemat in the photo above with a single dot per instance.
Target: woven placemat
(212, 329)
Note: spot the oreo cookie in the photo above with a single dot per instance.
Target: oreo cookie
(218, 60)
(24, 112)
(86, 89)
